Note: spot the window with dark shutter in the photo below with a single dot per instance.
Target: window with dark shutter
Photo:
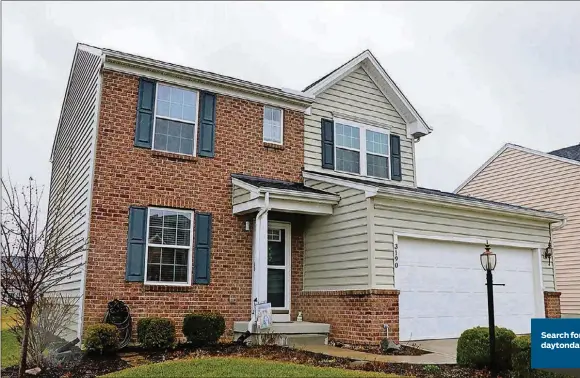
(201, 260)
(136, 243)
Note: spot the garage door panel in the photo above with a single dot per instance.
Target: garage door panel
(443, 292)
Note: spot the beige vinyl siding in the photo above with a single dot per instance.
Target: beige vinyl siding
(526, 179)
(356, 96)
(392, 216)
(240, 195)
(72, 162)
(336, 246)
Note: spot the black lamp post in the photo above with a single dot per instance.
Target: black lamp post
(488, 260)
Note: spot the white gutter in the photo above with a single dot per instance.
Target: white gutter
(263, 210)
(560, 225)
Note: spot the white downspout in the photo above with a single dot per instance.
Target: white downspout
(258, 249)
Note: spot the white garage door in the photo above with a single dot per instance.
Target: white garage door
(443, 292)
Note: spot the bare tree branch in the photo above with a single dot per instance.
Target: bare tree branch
(36, 258)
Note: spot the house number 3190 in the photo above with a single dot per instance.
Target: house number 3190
(396, 255)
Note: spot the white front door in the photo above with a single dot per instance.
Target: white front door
(278, 270)
(443, 292)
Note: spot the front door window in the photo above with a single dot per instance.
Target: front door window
(277, 268)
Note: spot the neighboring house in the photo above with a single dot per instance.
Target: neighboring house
(203, 192)
(548, 181)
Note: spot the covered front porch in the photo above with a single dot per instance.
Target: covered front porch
(274, 210)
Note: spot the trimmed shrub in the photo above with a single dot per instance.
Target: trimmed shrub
(473, 348)
(203, 328)
(522, 360)
(155, 332)
(101, 338)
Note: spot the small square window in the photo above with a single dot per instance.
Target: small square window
(273, 125)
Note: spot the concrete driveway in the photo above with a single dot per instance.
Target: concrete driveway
(447, 347)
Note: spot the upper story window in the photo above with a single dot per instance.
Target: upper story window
(168, 253)
(361, 149)
(273, 125)
(175, 123)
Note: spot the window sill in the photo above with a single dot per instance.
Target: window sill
(172, 156)
(166, 288)
(274, 146)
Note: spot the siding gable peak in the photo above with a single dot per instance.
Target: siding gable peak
(417, 127)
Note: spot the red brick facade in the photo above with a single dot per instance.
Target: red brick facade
(126, 175)
(552, 304)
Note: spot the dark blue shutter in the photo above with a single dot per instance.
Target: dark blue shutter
(327, 143)
(136, 243)
(145, 111)
(396, 173)
(207, 125)
(201, 260)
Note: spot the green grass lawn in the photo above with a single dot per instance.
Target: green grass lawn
(236, 367)
(10, 348)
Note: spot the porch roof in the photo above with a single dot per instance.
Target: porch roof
(251, 193)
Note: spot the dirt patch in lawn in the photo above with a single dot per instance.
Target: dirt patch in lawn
(91, 366)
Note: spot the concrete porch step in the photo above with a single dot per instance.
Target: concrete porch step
(286, 333)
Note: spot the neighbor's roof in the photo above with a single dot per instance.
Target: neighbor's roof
(572, 152)
(261, 182)
(569, 155)
(396, 189)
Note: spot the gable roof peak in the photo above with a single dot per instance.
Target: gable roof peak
(417, 127)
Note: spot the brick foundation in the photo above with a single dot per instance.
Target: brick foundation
(355, 316)
(552, 304)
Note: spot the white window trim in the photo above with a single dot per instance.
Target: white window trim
(281, 125)
(195, 124)
(190, 254)
(363, 147)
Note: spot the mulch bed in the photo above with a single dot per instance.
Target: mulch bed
(91, 366)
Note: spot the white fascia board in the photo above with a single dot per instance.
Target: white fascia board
(189, 77)
(466, 204)
(244, 185)
(301, 196)
(284, 205)
(468, 239)
(398, 99)
(513, 147)
(338, 181)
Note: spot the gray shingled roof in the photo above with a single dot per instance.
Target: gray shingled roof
(572, 152)
(262, 182)
(437, 193)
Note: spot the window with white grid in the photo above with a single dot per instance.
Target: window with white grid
(361, 149)
(169, 245)
(175, 119)
(273, 125)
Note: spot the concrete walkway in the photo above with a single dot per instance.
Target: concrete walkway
(447, 347)
(425, 359)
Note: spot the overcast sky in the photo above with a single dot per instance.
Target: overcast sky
(481, 74)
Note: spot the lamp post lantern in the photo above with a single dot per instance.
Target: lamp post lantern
(488, 261)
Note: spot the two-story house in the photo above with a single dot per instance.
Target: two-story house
(202, 192)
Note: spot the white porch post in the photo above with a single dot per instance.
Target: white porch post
(262, 258)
